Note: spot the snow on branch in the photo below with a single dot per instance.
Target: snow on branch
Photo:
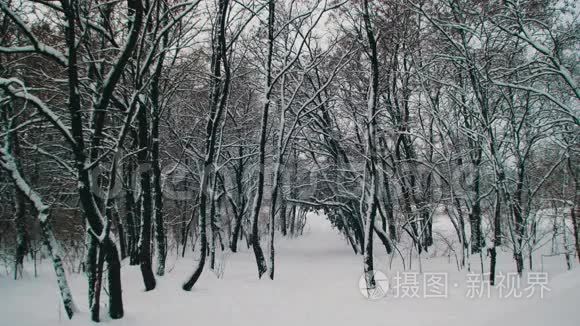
(37, 46)
(8, 163)
(55, 120)
(565, 109)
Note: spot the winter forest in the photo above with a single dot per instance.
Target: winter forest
(284, 162)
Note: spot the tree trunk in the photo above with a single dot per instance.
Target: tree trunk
(114, 288)
(574, 213)
(258, 253)
(51, 246)
(519, 220)
(120, 229)
(130, 210)
(8, 163)
(213, 226)
(91, 265)
(22, 238)
(188, 285)
(272, 230)
(477, 240)
(218, 98)
(283, 228)
(146, 202)
(370, 200)
(159, 227)
(496, 238)
(21, 233)
(575, 210)
(236, 231)
(95, 306)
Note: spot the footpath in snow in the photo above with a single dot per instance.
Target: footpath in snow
(316, 283)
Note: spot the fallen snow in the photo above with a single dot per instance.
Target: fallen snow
(316, 284)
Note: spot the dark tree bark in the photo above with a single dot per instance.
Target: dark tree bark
(120, 229)
(477, 239)
(156, 117)
(146, 202)
(22, 238)
(575, 210)
(98, 285)
(255, 238)
(239, 206)
(130, 209)
(213, 221)
(91, 210)
(496, 238)
(114, 287)
(217, 102)
(91, 268)
(283, 227)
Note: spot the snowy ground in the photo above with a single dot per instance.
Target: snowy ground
(316, 283)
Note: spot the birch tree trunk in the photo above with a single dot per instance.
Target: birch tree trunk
(10, 166)
(369, 201)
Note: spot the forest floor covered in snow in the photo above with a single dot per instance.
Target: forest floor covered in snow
(316, 283)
